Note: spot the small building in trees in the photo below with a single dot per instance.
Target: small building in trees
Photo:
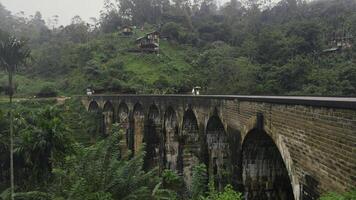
(149, 42)
(127, 30)
(338, 43)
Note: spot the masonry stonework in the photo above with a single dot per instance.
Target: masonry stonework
(315, 137)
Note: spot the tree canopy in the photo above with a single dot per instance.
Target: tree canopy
(241, 47)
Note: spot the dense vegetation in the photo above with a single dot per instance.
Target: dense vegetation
(52, 162)
(238, 48)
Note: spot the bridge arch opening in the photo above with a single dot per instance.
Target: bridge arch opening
(93, 106)
(264, 173)
(172, 147)
(137, 126)
(97, 118)
(217, 152)
(152, 140)
(190, 149)
(108, 113)
(123, 119)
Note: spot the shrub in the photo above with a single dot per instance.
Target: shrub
(228, 194)
(47, 91)
(172, 180)
(336, 196)
(171, 31)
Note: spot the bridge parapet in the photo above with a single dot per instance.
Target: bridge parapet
(315, 136)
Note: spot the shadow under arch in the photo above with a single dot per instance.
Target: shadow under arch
(264, 173)
(172, 148)
(190, 146)
(152, 139)
(137, 125)
(108, 113)
(93, 106)
(98, 120)
(216, 152)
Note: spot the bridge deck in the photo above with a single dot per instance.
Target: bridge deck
(335, 102)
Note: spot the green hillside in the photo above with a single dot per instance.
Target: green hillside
(106, 63)
(291, 48)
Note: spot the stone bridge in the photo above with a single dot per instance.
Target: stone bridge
(269, 147)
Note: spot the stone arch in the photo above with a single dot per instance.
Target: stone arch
(172, 157)
(153, 114)
(98, 127)
(137, 124)
(123, 119)
(93, 106)
(217, 152)
(288, 162)
(264, 172)
(152, 139)
(108, 113)
(190, 145)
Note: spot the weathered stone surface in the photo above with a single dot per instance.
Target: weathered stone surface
(315, 138)
(264, 173)
(108, 113)
(190, 146)
(138, 124)
(172, 149)
(152, 138)
(124, 121)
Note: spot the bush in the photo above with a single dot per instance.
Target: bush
(171, 31)
(228, 194)
(47, 91)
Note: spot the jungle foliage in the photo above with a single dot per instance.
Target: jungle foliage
(241, 47)
(52, 164)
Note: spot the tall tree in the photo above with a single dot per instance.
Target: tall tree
(13, 54)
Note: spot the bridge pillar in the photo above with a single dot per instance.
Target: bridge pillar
(138, 120)
(172, 147)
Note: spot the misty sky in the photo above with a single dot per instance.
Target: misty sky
(65, 9)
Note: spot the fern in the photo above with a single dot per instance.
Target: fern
(96, 172)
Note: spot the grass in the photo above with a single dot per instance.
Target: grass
(141, 70)
(146, 69)
(26, 86)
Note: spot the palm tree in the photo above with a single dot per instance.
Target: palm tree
(45, 140)
(13, 54)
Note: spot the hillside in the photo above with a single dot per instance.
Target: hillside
(293, 48)
(105, 63)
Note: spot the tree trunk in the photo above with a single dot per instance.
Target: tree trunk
(11, 137)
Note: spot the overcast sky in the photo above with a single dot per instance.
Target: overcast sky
(65, 9)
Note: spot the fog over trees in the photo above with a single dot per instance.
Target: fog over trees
(238, 48)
